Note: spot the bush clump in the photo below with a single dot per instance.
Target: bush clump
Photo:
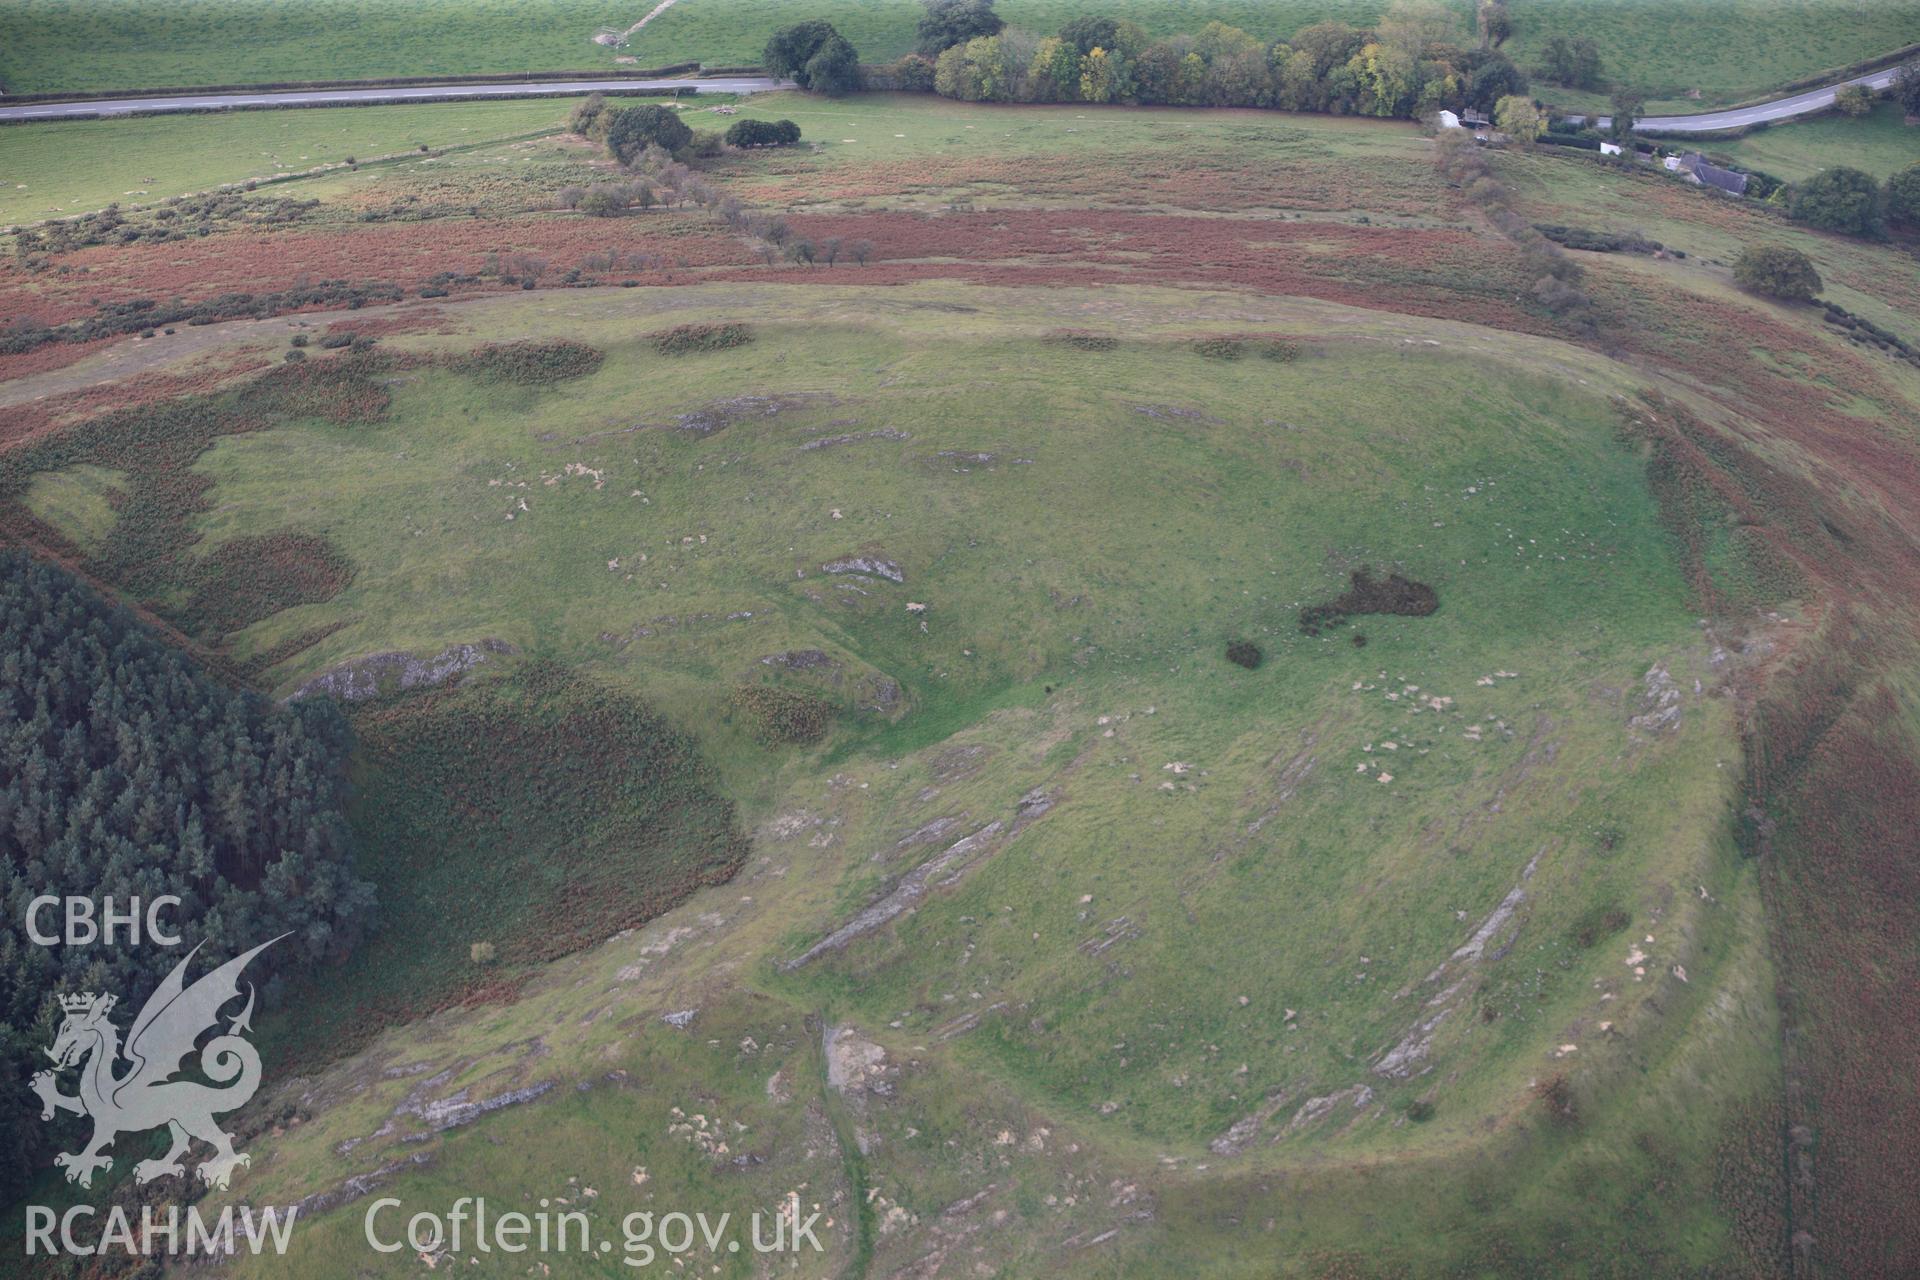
(780, 717)
(530, 362)
(685, 339)
(1233, 347)
(1245, 653)
(1778, 272)
(1556, 1096)
(1366, 594)
(763, 133)
(1598, 924)
(1082, 340)
(1220, 348)
(1592, 241)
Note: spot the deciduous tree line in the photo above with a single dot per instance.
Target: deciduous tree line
(1414, 61)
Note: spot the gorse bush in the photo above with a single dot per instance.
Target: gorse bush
(530, 362)
(685, 339)
(1082, 340)
(1244, 653)
(1236, 346)
(1368, 594)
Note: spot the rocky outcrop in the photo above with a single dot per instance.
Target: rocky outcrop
(872, 565)
(384, 673)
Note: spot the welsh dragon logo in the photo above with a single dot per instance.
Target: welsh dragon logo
(146, 1096)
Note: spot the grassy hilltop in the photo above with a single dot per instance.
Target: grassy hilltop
(849, 794)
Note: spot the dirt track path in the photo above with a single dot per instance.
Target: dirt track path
(125, 357)
(653, 13)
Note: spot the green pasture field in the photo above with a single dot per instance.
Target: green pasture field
(1729, 51)
(1881, 143)
(1725, 49)
(77, 166)
(83, 165)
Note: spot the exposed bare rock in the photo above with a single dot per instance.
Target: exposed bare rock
(956, 763)
(912, 887)
(1660, 703)
(1173, 413)
(385, 673)
(927, 834)
(880, 693)
(868, 565)
(833, 442)
(942, 869)
(351, 1189)
(452, 1112)
(802, 660)
(1317, 1108)
(854, 1063)
(1459, 974)
(1243, 1130)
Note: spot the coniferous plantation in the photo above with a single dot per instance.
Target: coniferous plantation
(127, 772)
